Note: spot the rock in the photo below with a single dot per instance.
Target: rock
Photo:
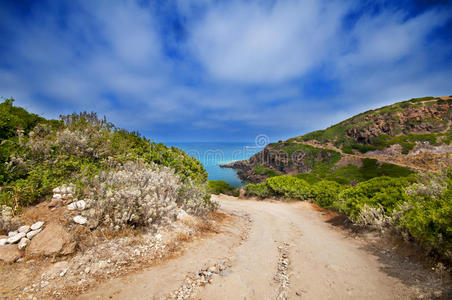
(158, 237)
(72, 206)
(36, 225)
(55, 202)
(56, 190)
(10, 253)
(23, 243)
(24, 229)
(53, 240)
(3, 241)
(12, 233)
(242, 194)
(80, 220)
(81, 205)
(15, 238)
(69, 190)
(213, 270)
(56, 269)
(58, 196)
(32, 233)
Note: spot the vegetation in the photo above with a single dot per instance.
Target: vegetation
(261, 170)
(37, 155)
(418, 206)
(221, 187)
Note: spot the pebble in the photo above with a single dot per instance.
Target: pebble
(24, 228)
(72, 206)
(57, 196)
(63, 272)
(3, 242)
(81, 205)
(80, 220)
(15, 238)
(56, 190)
(36, 225)
(32, 233)
(23, 243)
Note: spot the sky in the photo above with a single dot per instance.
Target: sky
(202, 70)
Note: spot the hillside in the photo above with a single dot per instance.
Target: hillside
(414, 134)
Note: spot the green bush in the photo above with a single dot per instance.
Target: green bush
(221, 187)
(260, 190)
(381, 192)
(261, 170)
(289, 187)
(325, 193)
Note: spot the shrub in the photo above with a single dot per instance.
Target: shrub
(325, 193)
(221, 187)
(136, 194)
(290, 187)
(381, 192)
(260, 190)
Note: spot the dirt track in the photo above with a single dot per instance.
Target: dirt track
(324, 261)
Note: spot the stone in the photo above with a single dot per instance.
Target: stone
(72, 206)
(3, 241)
(12, 233)
(56, 190)
(182, 214)
(15, 238)
(32, 233)
(58, 196)
(53, 240)
(80, 220)
(24, 228)
(55, 202)
(56, 269)
(10, 253)
(23, 243)
(81, 205)
(36, 225)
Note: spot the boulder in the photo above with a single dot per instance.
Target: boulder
(15, 238)
(53, 240)
(23, 243)
(24, 229)
(32, 233)
(36, 225)
(10, 253)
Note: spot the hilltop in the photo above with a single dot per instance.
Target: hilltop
(415, 134)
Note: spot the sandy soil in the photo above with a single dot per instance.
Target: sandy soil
(279, 249)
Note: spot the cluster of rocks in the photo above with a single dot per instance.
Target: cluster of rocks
(64, 195)
(9, 251)
(203, 277)
(282, 277)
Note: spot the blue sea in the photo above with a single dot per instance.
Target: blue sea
(213, 154)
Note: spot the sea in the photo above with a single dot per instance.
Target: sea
(213, 154)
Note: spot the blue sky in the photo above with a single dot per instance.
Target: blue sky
(201, 70)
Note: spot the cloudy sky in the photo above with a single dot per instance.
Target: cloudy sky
(201, 70)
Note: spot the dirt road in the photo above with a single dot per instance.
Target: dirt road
(274, 250)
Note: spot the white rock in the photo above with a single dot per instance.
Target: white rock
(81, 205)
(158, 237)
(32, 233)
(72, 206)
(23, 243)
(36, 225)
(63, 190)
(12, 233)
(56, 190)
(58, 196)
(69, 190)
(3, 242)
(80, 220)
(63, 272)
(15, 238)
(181, 214)
(24, 228)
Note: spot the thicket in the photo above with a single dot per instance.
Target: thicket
(37, 155)
(418, 206)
